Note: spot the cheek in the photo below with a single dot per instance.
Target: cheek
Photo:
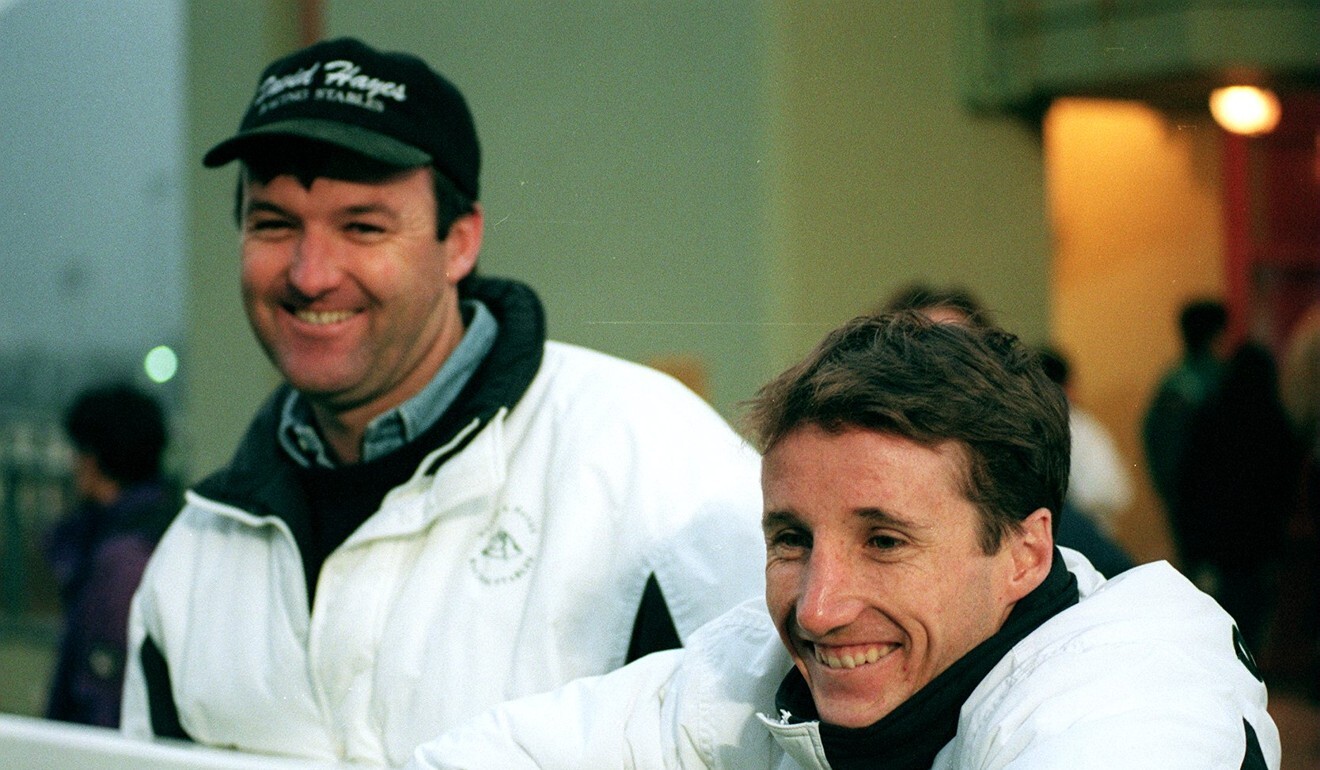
(780, 591)
(412, 277)
(258, 271)
(973, 606)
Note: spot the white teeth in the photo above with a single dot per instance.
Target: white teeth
(848, 660)
(323, 316)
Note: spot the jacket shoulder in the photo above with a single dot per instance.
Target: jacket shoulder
(732, 668)
(602, 401)
(568, 361)
(1143, 671)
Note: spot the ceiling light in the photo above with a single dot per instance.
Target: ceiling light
(1245, 109)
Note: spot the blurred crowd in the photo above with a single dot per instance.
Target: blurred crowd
(1231, 441)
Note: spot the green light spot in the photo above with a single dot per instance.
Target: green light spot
(161, 364)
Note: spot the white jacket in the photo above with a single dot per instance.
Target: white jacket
(1141, 673)
(515, 567)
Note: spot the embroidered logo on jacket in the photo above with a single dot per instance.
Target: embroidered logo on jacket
(506, 549)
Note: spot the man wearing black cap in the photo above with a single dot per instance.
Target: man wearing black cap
(439, 509)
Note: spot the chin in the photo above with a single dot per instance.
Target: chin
(852, 715)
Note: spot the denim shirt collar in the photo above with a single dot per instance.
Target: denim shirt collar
(390, 431)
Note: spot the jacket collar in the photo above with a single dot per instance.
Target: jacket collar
(263, 480)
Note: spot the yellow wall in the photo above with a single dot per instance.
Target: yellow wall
(883, 176)
(1134, 201)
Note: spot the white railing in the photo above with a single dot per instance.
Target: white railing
(38, 744)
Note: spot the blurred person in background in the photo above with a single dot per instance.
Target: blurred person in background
(938, 303)
(1299, 384)
(99, 550)
(1239, 479)
(1203, 325)
(1293, 652)
(1099, 484)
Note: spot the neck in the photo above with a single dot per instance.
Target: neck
(342, 432)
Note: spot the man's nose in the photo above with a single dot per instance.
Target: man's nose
(830, 596)
(315, 267)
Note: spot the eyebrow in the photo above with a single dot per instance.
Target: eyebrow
(254, 206)
(370, 208)
(873, 516)
(883, 518)
(774, 519)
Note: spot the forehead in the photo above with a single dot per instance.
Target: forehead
(815, 474)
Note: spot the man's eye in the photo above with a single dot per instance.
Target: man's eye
(789, 539)
(364, 228)
(885, 542)
(267, 225)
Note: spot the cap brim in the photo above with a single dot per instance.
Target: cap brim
(353, 138)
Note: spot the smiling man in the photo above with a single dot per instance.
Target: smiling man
(919, 612)
(877, 574)
(439, 509)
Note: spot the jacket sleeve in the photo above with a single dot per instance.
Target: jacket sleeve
(135, 717)
(147, 709)
(699, 484)
(689, 708)
(103, 620)
(611, 721)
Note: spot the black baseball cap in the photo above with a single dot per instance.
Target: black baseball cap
(388, 106)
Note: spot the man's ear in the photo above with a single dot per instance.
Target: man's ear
(463, 244)
(1032, 553)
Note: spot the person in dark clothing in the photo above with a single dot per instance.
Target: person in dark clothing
(98, 552)
(1202, 324)
(1239, 477)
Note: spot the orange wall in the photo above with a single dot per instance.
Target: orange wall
(1133, 196)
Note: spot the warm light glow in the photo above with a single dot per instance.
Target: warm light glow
(1245, 109)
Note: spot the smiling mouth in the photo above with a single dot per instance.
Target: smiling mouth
(323, 317)
(851, 656)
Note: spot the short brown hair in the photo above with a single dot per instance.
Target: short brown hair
(902, 374)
